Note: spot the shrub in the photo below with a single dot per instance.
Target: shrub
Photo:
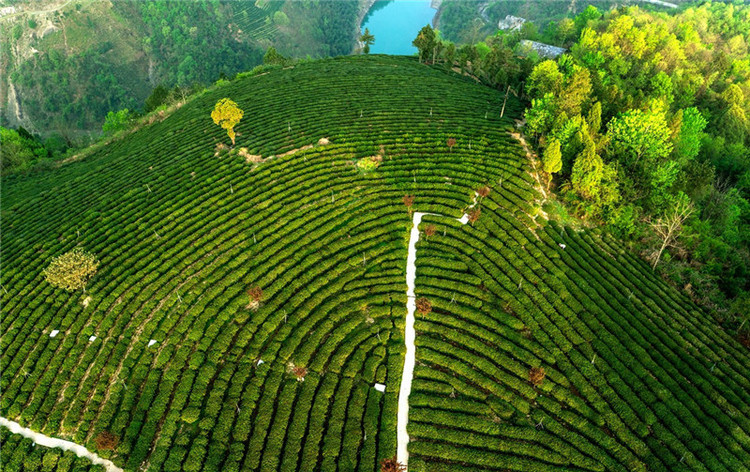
(429, 230)
(391, 465)
(536, 376)
(298, 371)
(368, 164)
(71, 270)
(116, 121)
(255, 294)
(424, 307)
(106, 441)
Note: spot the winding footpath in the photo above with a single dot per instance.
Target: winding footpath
(48, 441)
(402, 436)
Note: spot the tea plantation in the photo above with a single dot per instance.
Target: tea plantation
(190, 375)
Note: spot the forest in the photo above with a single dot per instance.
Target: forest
(648, 116)
(85, 60)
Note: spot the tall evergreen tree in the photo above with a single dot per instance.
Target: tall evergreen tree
(367, 39)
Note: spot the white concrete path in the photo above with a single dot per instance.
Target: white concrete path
(47, 441)
(402, 453)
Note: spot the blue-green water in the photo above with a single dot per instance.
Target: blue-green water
(396, 23)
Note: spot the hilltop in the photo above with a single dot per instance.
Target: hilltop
(250, 306)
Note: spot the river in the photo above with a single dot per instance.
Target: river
(395, 24)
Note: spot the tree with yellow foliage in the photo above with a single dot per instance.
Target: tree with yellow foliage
(227, 114)
(71, 270)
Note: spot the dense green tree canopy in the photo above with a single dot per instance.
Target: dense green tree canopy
(666, 114)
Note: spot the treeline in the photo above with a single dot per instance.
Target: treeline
(645, 128)
(498, 61)
(21, 151)
(469, 22)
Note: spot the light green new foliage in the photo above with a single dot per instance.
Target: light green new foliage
(116, 121)
(367, 164)
(540, 116)
(688, 144)
(640, 139)
(545, 78)
(734, 124)
(552, 158)
(71, 270)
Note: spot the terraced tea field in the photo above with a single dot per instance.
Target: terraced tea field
(165, 350)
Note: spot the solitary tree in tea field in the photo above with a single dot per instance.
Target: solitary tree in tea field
(408, 202)
(255, 294)
(429, 230)
(227, 114)
(451, 142)
(536, 376)
(71, 270)
(474, 215)
(424, 307)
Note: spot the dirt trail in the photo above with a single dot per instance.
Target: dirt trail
(48, 441)
(410, 334)
(535, 174)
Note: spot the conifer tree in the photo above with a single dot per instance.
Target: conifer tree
(367, 39)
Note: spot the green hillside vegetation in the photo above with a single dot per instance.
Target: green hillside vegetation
(469, 22)
(653, 110)
(19, 454)
(68, 68)
(247, 299)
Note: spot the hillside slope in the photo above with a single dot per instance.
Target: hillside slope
(66, 64)
(189, 377)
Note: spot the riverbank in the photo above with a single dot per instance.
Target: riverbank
(395, 24)
(364, 7)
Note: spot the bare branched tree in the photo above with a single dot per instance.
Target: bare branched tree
(669, 226)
